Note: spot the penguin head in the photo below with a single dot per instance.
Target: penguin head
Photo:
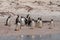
(9, 16)
(32, 19)
(21, 16)
(51, 19)
(40, 19)
(17, 15)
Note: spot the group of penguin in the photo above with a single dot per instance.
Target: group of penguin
(26, 21)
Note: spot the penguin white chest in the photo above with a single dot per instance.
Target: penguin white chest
(40, 23)
(52, 22)
(33, 23)
(22, 21)
(9, 21)
(19, 24)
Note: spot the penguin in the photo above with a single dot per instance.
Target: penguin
(26, 21)
(17, 20)
(8, 21)
(52, 23)
(22, 21)
(29, 21)
(18, 25)
(33, 23)
(39, 22)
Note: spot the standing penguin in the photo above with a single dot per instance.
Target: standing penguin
(39, 22)
(33, 23)
(17, 20)
(8, 21)
(22, 21)
(26, 19)
(17, 23)
(29, 21)
(52, 24)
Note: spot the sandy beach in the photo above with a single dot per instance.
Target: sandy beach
(45, 9)
(25, 30)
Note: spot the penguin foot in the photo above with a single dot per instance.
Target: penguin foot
(6, 24)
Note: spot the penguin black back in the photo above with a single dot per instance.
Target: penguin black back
(17, 19)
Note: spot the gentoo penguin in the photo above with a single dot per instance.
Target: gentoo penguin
(39, 22)
(26, 19)
(22, 21)
(51, 21)
(8, 21)
(17, 20)
(17, 23)
(18, 26)
(33, 23)
(51, 24)
(29, 21)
